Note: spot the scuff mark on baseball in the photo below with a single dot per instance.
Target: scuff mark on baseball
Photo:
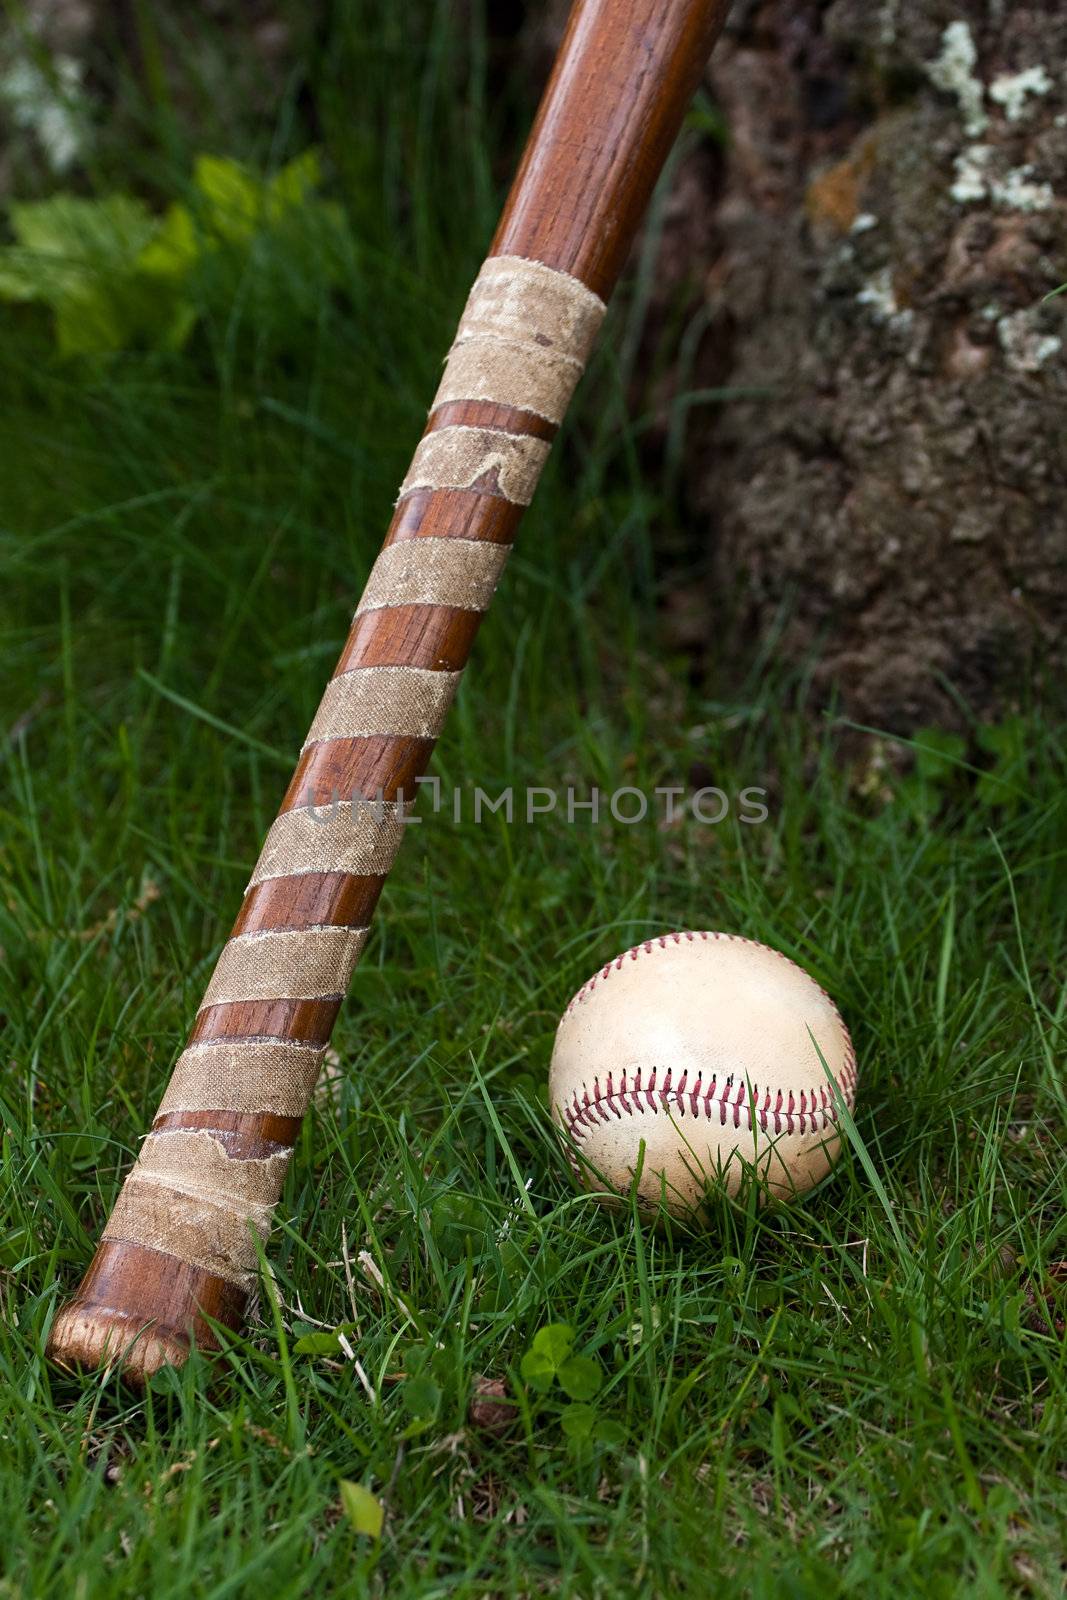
(693, 1060)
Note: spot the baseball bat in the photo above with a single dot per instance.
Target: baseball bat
(181, 1247)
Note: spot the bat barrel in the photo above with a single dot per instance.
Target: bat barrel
(180, 1250)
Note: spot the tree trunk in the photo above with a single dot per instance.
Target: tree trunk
(890, 215)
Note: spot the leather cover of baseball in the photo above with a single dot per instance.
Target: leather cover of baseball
(699, 1045)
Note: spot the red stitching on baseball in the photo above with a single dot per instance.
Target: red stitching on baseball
(582, 1115)
(707, 933)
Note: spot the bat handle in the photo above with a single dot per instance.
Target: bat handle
(180, 1250)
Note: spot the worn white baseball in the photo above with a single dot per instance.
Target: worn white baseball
(694, 1059)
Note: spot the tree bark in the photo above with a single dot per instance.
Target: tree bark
(891, 212)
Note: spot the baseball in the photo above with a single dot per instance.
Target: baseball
(699, 1047)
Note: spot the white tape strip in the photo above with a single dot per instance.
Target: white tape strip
(248, 1075)
(297, 964)
(459, 457)
(523, 339)
(359, 836)
(407, 702)
(435, 572)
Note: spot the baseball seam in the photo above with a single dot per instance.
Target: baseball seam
(688, 936)
(807, 1111)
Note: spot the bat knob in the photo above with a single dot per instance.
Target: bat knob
(84, 1337)
(138, 1310)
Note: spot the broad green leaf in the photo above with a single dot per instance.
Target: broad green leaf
(363, 1509)
(421, 1396)
(234, 198)
(415, 1358)
(19, 279)
(1007, 738)
(578, 1421)
(1007, 741)
(580, 1377)
(538, 1370)
(415, 1427)
(458, 1224)
(87, 324)
(938, 753)
(84, 1149)
(610, 1432)
(555, 1341)
(81, 257)
(514, 1262)
(295, 184)
(318, 1344)
(71, 246)
(916, 797)
(75, 231)
(116, 276)
(442, 1364)
(993, 789)
(175, 248)
(322, 1341)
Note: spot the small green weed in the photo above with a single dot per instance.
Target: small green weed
(115, 277)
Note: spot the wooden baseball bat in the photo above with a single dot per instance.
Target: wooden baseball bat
(182, 1242)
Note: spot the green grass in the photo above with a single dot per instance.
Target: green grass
(864, 1394)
